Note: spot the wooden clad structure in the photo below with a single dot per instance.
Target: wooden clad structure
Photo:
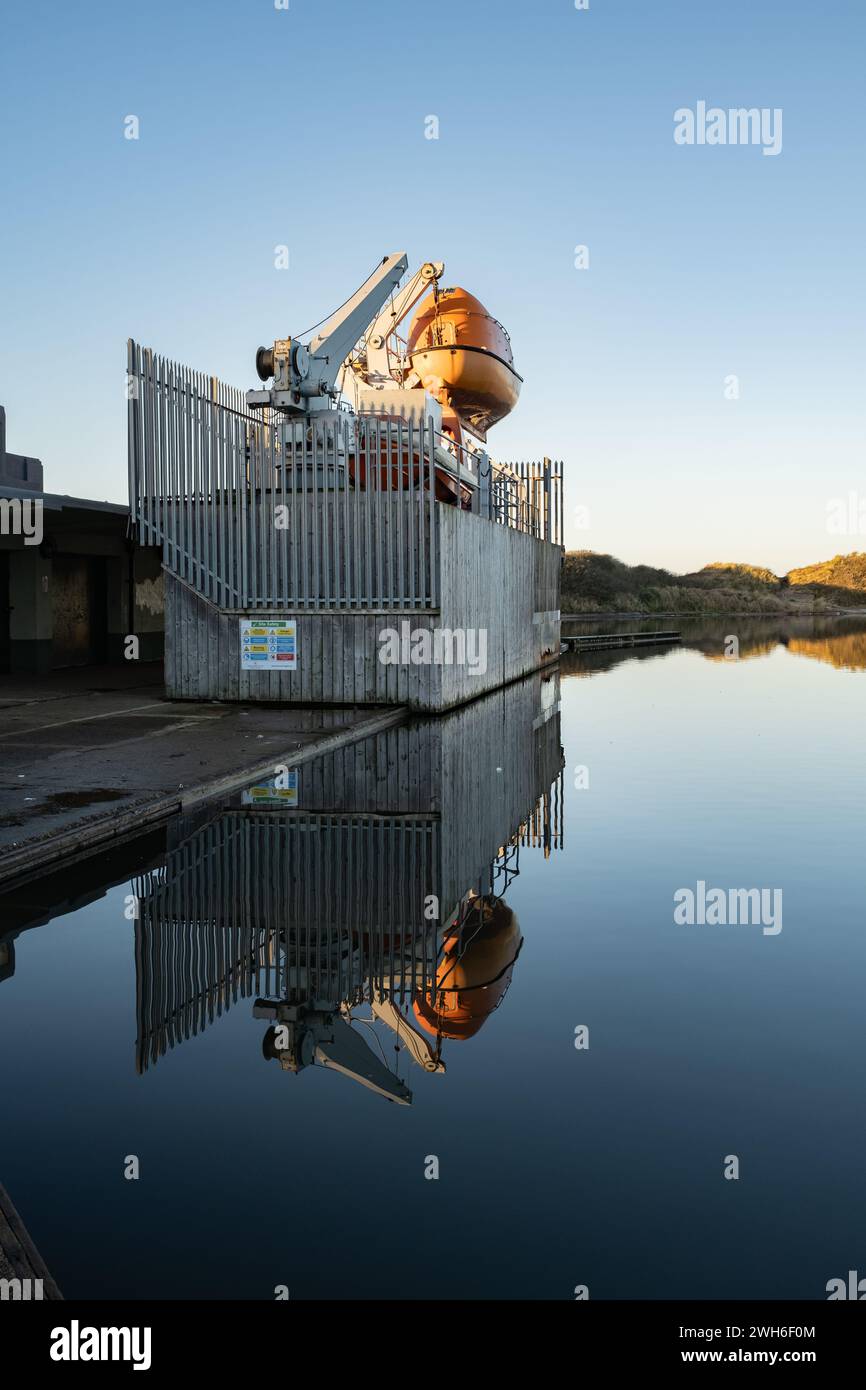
(390, 595)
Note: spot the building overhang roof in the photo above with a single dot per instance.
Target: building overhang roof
(57, 502)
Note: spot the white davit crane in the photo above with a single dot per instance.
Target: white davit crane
(376, 367)
(304, 377)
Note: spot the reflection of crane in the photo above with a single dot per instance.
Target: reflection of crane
(335, 948)
(307, 1034)
(304, 1035)
(473, 975)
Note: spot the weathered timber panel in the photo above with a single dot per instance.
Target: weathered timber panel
(493, 579)
(338, 657)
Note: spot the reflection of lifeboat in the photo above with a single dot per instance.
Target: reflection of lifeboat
(463, 357)
(471, 982)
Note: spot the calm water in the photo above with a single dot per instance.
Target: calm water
(205, 1035)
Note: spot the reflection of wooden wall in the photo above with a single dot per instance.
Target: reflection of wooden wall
(481, 769)
(497, 758)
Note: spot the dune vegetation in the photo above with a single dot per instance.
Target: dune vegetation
(593, 583)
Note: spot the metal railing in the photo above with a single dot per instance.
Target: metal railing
(527, 496)
(258, 511)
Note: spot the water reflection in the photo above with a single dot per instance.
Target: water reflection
(364, 917)
(695, 774)
(840, 642)
(845, 651)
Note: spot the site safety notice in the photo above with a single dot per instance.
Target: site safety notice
(269, 644)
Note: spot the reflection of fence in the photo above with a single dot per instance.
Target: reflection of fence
(282, 906)
(543, 829)
(257, 511)
(319, 907)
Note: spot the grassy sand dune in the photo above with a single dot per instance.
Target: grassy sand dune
(593, 583)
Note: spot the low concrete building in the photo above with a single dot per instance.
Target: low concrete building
(73, 582)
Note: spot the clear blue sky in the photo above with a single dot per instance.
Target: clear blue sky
(305, 127)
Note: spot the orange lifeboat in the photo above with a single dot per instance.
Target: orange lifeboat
(462, 356)
(471, 980)
(394, 461)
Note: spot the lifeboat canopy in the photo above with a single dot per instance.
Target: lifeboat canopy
(462, 356)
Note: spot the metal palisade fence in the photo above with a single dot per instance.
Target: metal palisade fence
(258, 511)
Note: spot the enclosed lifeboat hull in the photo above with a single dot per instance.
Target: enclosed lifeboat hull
(395, 469)
(462, 355)
(481, 387)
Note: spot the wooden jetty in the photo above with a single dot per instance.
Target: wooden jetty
(603, 641)
(23, 1273)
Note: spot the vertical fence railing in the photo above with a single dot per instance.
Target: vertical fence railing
(527, 496)
(257, 511)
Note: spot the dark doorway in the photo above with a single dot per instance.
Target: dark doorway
(79, 606)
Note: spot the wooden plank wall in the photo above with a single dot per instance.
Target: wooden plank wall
(491, 577)
(338, 657)
(495, 578)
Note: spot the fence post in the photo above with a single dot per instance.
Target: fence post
(548, 534)
(483, 494)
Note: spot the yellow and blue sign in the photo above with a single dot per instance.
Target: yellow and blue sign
(269, 644)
